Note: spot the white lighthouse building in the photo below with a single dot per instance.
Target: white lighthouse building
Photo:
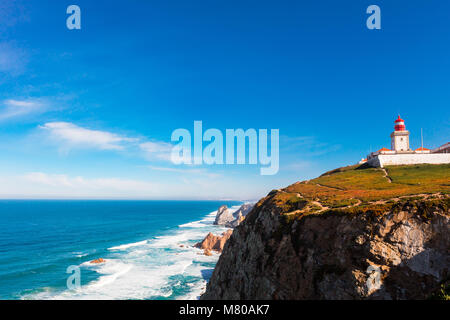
(400, 137)
(401, 153)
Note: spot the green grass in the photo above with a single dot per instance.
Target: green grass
(420, 175)
(345, 187)
(366, 179)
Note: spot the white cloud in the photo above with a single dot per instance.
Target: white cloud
(157, 150)
(69, 135)
(56, 180)
(17, 108)
(53, 186)
(74, 136)
(65, 181)
(41, 185)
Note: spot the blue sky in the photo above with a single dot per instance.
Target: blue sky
(89, 113)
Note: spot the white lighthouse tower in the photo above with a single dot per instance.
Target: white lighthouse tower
(400, 137)
(401, 153)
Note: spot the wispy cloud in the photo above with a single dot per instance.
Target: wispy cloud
(72, 136)
(69, 136)
(18, 108)
(65, 181)
(154, 150)
(289, 143)
(41, 185)
(44, 185)
(306, 146)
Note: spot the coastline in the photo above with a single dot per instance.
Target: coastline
(164, 266)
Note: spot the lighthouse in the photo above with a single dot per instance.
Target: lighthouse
(400, 137)
(401, 154)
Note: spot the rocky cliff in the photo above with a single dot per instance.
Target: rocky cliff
(240, 215)
(228, 219)
(350, 234)
(225, 217)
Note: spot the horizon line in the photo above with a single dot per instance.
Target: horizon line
(118, 199)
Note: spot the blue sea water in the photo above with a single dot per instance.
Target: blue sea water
(147, 246)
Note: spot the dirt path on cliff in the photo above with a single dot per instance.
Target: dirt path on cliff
(325, 208)
(322, 207)
(331, 187)
(424, 196)
(386, 175)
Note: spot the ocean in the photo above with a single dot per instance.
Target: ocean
(147, 246)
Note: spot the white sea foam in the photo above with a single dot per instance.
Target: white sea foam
(80, 254)
(128, 245)
(196, 290)
(150, 269)
(112, 270)
(195, 224)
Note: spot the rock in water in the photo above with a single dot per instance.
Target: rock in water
(212, 242)
(98, 261)
(223, 216)
(240, 215)
(231, 220)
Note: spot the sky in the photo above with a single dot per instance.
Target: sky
(89, 113)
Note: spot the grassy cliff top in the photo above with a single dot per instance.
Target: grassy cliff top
(359, 188)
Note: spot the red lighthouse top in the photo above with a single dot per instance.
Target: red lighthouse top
(400, 124)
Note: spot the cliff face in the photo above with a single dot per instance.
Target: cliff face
(299, 249)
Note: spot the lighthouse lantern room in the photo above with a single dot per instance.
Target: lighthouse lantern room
(400, 137)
